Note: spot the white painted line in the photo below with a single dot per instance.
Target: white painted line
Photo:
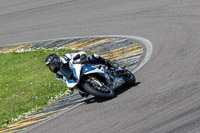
(149, 51)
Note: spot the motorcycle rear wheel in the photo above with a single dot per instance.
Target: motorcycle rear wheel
(129, 78)
(97, 93)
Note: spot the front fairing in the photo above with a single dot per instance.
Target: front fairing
(97, 69)
(88, 69)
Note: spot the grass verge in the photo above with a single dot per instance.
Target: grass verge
(26, 83)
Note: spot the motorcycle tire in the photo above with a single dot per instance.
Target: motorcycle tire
(97, 93)
(129, 78)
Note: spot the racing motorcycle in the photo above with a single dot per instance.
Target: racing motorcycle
(97, 79)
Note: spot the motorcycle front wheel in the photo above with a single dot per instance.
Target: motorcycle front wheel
(97, 91)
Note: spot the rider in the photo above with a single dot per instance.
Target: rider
(54, 62)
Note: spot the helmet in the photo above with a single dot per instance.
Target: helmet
(53, 62)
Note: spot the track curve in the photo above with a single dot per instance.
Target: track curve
(167, 100)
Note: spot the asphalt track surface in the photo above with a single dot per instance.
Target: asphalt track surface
(167, 98)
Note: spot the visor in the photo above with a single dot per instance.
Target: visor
(52, 67)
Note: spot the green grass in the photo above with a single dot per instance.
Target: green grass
(26, 82)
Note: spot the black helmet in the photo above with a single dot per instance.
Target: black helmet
(53, 62)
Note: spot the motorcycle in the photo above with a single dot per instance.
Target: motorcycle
(96, 79)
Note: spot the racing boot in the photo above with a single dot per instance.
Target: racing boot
(111, 64)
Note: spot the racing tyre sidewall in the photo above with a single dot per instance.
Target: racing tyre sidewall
(90, 89)
(130, 78)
